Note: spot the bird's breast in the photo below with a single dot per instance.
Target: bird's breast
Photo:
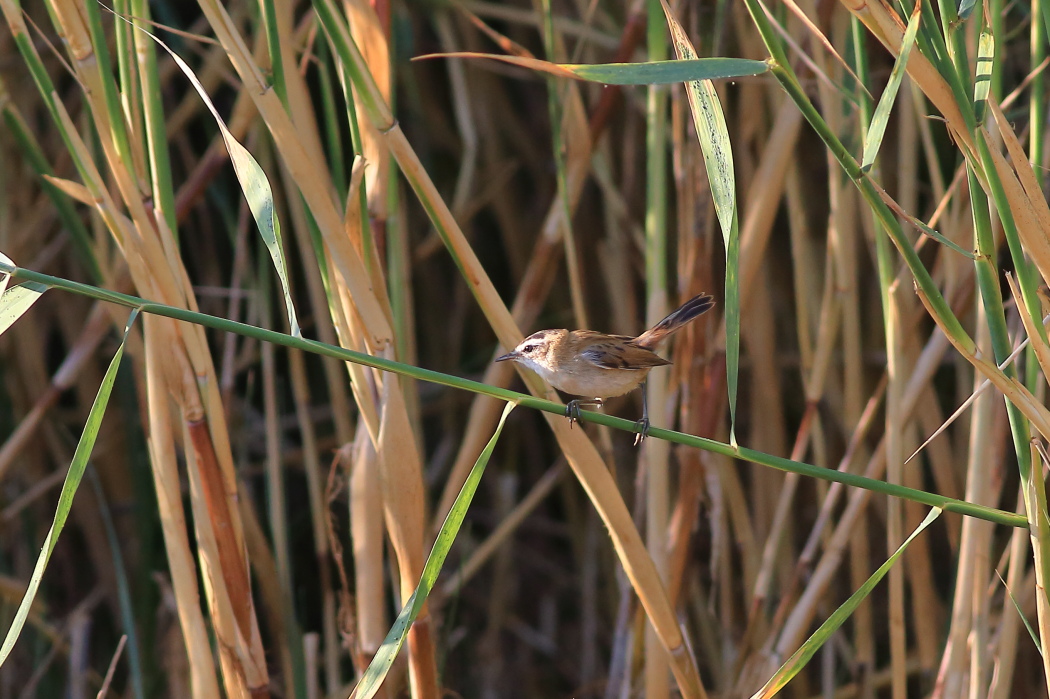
(590, 381)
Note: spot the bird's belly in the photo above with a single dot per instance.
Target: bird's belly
(600, 383)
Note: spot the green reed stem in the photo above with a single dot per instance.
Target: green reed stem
(932, 499)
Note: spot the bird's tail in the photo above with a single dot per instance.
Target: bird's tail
(688, 311)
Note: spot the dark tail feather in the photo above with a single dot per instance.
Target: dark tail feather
(689, 310)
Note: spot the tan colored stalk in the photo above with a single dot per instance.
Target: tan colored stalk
(370, 36)
(654, 460)
(1005, 658)
(814, 379)
(308, 173)
(366, 532)
(1035, 505)
(158, 274)
(1011, 388)
(536, 283)
(364, 324)
(916, 570)
(796, 621)
(766, 187)
(164, 467)
(584, 459)
(975, 538)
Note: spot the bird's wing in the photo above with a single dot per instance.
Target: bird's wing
(619, 352)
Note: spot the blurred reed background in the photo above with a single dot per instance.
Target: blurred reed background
(252, 518)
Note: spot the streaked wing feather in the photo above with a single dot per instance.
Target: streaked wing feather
(622, 354)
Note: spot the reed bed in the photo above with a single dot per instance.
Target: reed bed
(257, 260)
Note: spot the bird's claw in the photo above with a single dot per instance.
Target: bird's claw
(572, 408)
(642, 429)
(572, 411)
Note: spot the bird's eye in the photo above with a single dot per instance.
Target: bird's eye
(529, 349)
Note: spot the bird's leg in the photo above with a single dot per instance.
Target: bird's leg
(642, 426)
(572, 408)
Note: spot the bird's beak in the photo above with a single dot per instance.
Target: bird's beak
(509, 355)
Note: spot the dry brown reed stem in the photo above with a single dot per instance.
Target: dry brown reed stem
(1011, 388)
(537, 279)
(896, 310)
(158, 273)
(969, 612)
(795, 622)
(396, 450)
(366, 528)
(582, 456)
(308, 173)
(1035, 216)
(202, 681)
(1006, 648)
(112, 668)
(371, 38)
(1035, 506)
(268, 587)
(363, 322)
(764, 194)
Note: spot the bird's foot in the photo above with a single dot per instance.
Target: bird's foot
(572, 411)
(641, 427)
(572, 408)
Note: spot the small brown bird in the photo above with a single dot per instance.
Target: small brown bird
(599, 366)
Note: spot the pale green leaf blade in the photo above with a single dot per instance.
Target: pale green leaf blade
(668, 72)
(803, 655)
(384, 658)
(69, 489)
(881, 118)
(711, 130)
(16, 301)
(1020, 612)
(940, 238)
(253, 183)
(644, 73)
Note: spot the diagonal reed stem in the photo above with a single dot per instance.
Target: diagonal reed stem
(962, 507)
